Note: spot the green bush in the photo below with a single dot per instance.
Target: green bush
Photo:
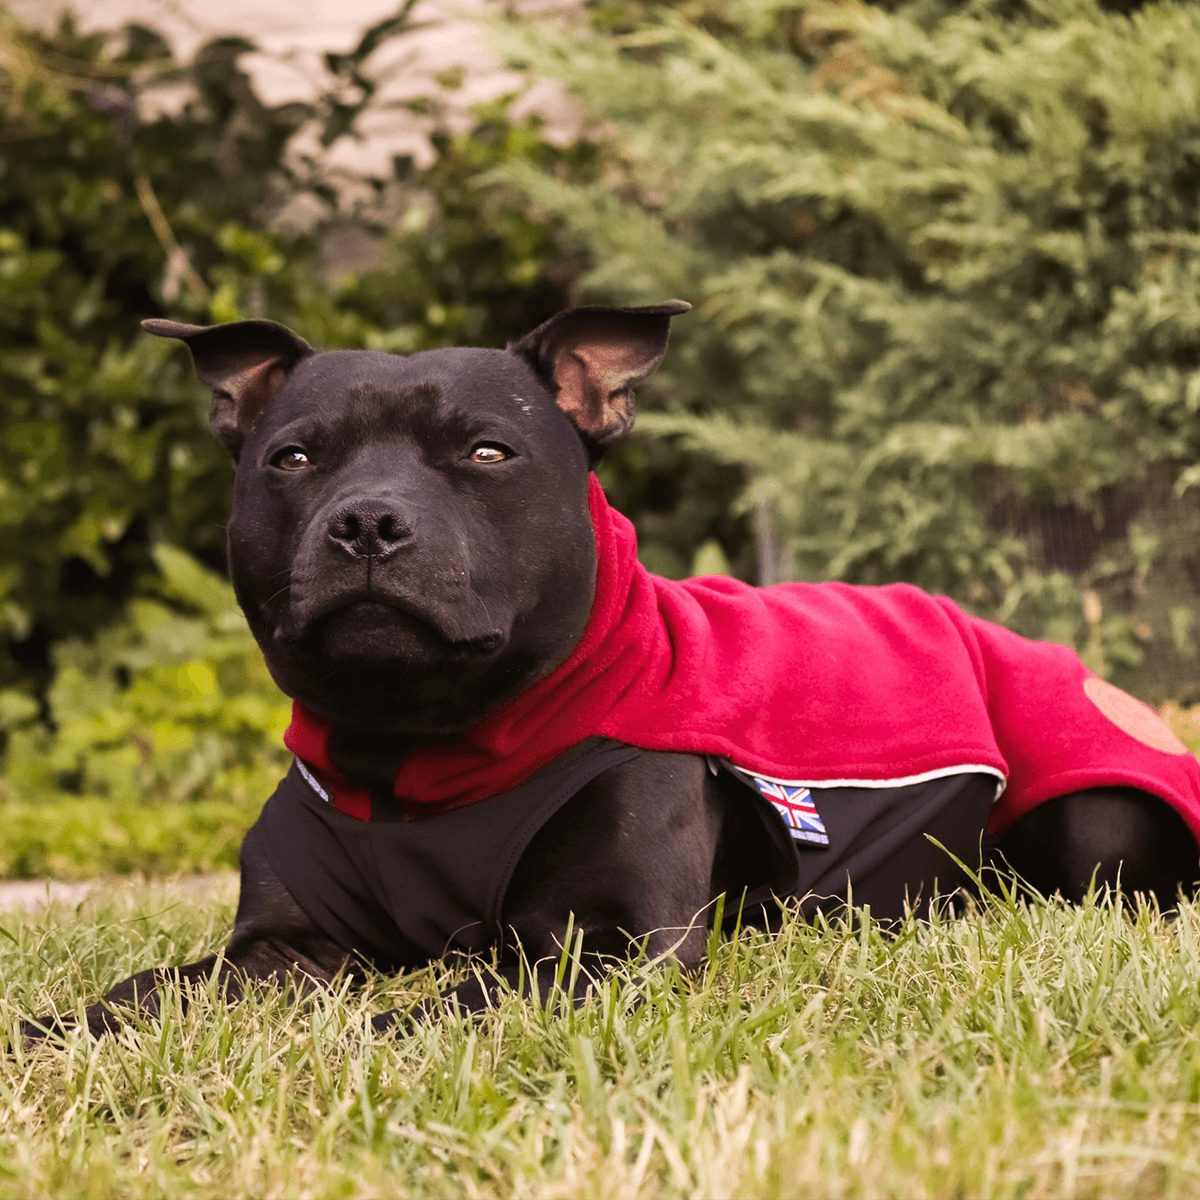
(946, 264)
(164, 705)
(102, 452)
(79, 838)
(944, 258)
(173, 703)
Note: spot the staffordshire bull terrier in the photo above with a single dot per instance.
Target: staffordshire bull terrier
(506, 729)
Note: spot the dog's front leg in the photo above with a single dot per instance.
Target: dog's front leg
(272, 940)
(630, 859)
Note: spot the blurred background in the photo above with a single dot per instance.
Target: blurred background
(944, 257)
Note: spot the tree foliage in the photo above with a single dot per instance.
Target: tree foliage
(946, 259)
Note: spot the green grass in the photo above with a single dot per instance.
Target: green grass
(1016, 1051)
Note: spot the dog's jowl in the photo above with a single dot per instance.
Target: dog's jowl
(503, 724)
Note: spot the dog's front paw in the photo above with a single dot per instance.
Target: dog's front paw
(99, 1019)
(45, 1029)
(401, 1022)
(397, 1022)
(107, 1017)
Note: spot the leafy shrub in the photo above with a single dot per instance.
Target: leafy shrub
(80, 838)
(173, 703)
(164, 705)
(102, 453)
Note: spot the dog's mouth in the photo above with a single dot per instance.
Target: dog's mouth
(381, 630)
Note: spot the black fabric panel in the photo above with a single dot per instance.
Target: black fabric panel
(762, 862)
(325, 875)
(878, 843)
(401, 890)
(444, 877)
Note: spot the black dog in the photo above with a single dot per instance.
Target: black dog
(412, 545)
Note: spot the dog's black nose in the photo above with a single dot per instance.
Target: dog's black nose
(369, 528)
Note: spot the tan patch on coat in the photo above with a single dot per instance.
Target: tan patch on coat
(1133, 717)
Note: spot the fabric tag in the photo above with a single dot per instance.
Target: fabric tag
(794, 803)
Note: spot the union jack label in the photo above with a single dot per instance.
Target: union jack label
(795, 805)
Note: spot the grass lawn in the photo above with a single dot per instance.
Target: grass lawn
(1016, 1051)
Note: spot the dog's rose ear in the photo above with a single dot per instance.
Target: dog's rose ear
(595, 357)
(243, 362)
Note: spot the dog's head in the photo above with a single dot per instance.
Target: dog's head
(410, 537)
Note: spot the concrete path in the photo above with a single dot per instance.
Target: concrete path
(30, 894)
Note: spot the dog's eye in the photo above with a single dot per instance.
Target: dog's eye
(489, 452)
(291, 459)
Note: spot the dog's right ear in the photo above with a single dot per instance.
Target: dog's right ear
(244, 363)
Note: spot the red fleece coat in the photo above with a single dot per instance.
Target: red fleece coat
(821, 684)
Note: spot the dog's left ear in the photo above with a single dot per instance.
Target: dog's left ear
(595, 357)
